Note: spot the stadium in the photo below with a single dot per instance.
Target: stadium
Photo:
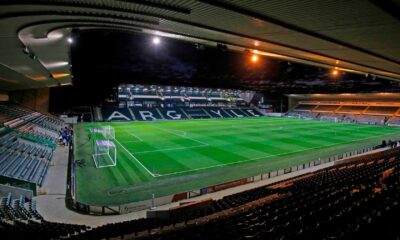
(199, 119)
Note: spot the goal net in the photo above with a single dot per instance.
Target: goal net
(108, 132)
(329, 118)
(104, 149)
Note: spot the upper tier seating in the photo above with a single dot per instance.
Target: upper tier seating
(381, 110)
(31, 122)
(195, 113)
(199, 102)
(143, 92)
(175, 102)
(303, 107)
(325, 108)
(24, 159)
(173, 93)
(219, 102)
(351, 109)
(27, 143)
(166, 96)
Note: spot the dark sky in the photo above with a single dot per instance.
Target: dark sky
(101, 60)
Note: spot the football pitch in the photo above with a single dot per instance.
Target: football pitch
(167, 157)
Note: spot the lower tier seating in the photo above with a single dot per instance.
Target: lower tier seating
(152, 114)
(19, 219)
(27, 120)
(358, 199)
(352, 201)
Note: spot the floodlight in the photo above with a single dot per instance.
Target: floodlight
(254, 58)
(156, 40)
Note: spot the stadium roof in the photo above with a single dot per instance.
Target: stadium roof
(353, 35)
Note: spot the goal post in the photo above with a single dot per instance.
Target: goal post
(104, 149)
(105, 154)
(108, 132)
(329, 118)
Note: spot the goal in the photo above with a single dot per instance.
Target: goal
(329, 118)
(104, 149)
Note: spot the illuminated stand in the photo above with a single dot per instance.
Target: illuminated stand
(105, 151)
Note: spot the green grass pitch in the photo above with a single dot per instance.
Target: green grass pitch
(167, 157)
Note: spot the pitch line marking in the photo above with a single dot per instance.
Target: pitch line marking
(137, 141)
(168, 149)
(182, 148)
(137, 160)
(171, 132)
(249, 125)
(270, 155)
(134, 135)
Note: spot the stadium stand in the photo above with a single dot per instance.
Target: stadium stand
(19, 219)
(218, 112)
(195, 113)
(26, 120)
(351, 200)
(25, 160)
(172, 113)
(149, 103)
(116, 114)
(348, 201)
(326, 108)
(381, 110)
(302, 107)
(146, 114)
(151, 114)
(376, 113)
(158, 96)
(27, 143)
(312, 205)
(351, 109)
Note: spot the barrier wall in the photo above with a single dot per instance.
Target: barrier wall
(15, 191)
(19, 184)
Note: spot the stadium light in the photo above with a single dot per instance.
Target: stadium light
(156, 40)
(254, 58)
(70, 40)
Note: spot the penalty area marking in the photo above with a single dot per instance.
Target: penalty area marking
(134, 135)
(183, 136)
(137, 160)
(169, 149)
